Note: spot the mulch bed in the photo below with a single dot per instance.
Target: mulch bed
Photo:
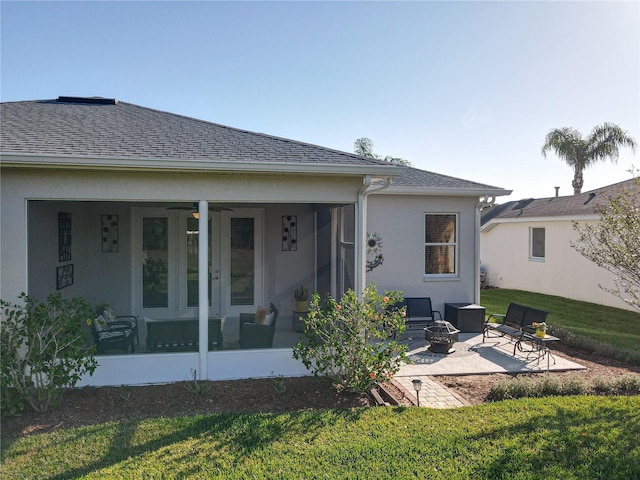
(91, 405)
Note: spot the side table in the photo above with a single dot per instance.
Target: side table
(466, 317)
(298, 321)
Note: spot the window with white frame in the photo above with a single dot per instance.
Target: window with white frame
(440, 243)
(537, 240)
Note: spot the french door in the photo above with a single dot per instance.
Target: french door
(165, 262)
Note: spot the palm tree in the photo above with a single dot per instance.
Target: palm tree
(364, 146)
(603, 142)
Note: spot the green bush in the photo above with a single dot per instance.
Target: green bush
(547, 386)
(349, 341)
(594, 346)
(43, 351)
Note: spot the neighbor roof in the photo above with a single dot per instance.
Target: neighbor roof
(583, 204)
(105, 133)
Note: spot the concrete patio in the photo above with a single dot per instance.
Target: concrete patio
(472, 356)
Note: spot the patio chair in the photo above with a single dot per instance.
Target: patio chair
(121, 320)
(420, 311)
(112, 335)
(257, 329)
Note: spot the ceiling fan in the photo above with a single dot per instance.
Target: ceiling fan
(194, 209)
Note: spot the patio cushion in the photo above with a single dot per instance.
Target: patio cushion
(113, 335)
(100, 324)
(108, 315)
(268, 318)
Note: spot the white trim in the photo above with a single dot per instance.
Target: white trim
(444, 191)
(532, 257)
(491, 224)
(456, 245)
(187, 164)
(203, 285)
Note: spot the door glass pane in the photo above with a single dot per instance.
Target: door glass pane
(242, 259)
(155, 262)
(193, 225)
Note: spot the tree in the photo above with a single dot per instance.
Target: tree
(364, 146)
(614, 243)
(580, 153)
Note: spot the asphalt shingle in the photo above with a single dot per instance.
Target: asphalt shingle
(95, 127)
(586, 203)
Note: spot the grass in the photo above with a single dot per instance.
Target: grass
(557, 437)
(570, 437)
(620, 329)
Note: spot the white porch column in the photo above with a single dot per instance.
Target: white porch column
(359, 250)
(203, 285)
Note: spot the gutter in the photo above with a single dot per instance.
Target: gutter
(447, 192)
(482, 203)
(19, 160)
(361, 229)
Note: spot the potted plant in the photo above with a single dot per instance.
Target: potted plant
(302, 296)
(541, 328)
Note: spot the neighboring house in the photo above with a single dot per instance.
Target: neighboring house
(526, 245)
(100, 198)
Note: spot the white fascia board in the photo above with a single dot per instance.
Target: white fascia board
(162, 164)
(449, 192)
(494, 222)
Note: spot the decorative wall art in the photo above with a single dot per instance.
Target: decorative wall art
(374, 251)
(64, 276)
(110, 233)
(64, 237)
(289, 233)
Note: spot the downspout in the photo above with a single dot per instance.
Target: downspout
(203, 286)
(485, 202)
(361, 231)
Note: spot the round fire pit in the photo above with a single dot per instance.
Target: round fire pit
(442, 335)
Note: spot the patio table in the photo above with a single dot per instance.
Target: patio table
(539, 347)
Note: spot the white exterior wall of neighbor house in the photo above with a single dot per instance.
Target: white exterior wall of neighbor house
(400, 221)
(505, 254)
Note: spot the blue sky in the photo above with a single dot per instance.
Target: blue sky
(467, 89)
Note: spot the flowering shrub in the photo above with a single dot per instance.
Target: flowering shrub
(43, 351)
(350, 341)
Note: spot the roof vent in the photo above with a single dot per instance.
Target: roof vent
(523, 203)
(89, 100)
(592, 195)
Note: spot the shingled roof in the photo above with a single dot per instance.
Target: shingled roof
(584, 204)
(99, 127)
(415, 179)
(73, 129)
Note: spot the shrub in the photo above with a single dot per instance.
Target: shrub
(43, 351)
(349, 341)
(526, 386)
(594, 346)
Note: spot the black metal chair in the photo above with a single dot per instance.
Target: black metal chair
(254, 334)
(118, 320)
(112, 335)
(420, 311)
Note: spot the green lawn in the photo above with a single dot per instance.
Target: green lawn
(619, 328)
(572, 437)
(556, 437)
